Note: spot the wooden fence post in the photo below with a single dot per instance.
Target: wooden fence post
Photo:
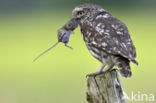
(105, 88)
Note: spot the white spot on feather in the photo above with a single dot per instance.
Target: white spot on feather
(117, 42)
(89, 33)
(129, 43)
(129, 40)
(119, 32)
(101, 10)
(94, 43)
(107, 31)
(130, 56)
(104, 44)
(100, 28)
(103, 16)
(89, 23)
(124, 45)
(78, 9)
(114, 26)
(106, 15)
(114, 48)
(119, 52)
(109, 51)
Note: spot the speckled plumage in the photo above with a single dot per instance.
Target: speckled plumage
(106, 37)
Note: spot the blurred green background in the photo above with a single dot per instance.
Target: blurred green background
(28, 27)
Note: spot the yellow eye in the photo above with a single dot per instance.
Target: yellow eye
(79, 12)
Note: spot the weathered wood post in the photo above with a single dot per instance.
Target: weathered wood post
(105, 88)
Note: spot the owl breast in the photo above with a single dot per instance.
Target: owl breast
(90, 36)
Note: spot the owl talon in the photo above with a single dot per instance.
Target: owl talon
(98, 73)
(89, 75)
(113, 69)
(93, 74)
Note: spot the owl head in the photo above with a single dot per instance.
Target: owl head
(85, 11)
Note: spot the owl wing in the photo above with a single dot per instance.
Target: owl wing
(113, 37)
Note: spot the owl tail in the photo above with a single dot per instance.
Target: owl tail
(123, 66)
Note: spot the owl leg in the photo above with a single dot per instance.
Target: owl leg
(98, 71)
(108, 68)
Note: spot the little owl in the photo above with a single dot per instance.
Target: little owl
(106, 38)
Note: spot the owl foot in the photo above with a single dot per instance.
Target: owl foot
(94, 74)
(113, 69)
(98, 73)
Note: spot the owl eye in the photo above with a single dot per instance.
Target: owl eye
(80, 12)
(69, 25)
